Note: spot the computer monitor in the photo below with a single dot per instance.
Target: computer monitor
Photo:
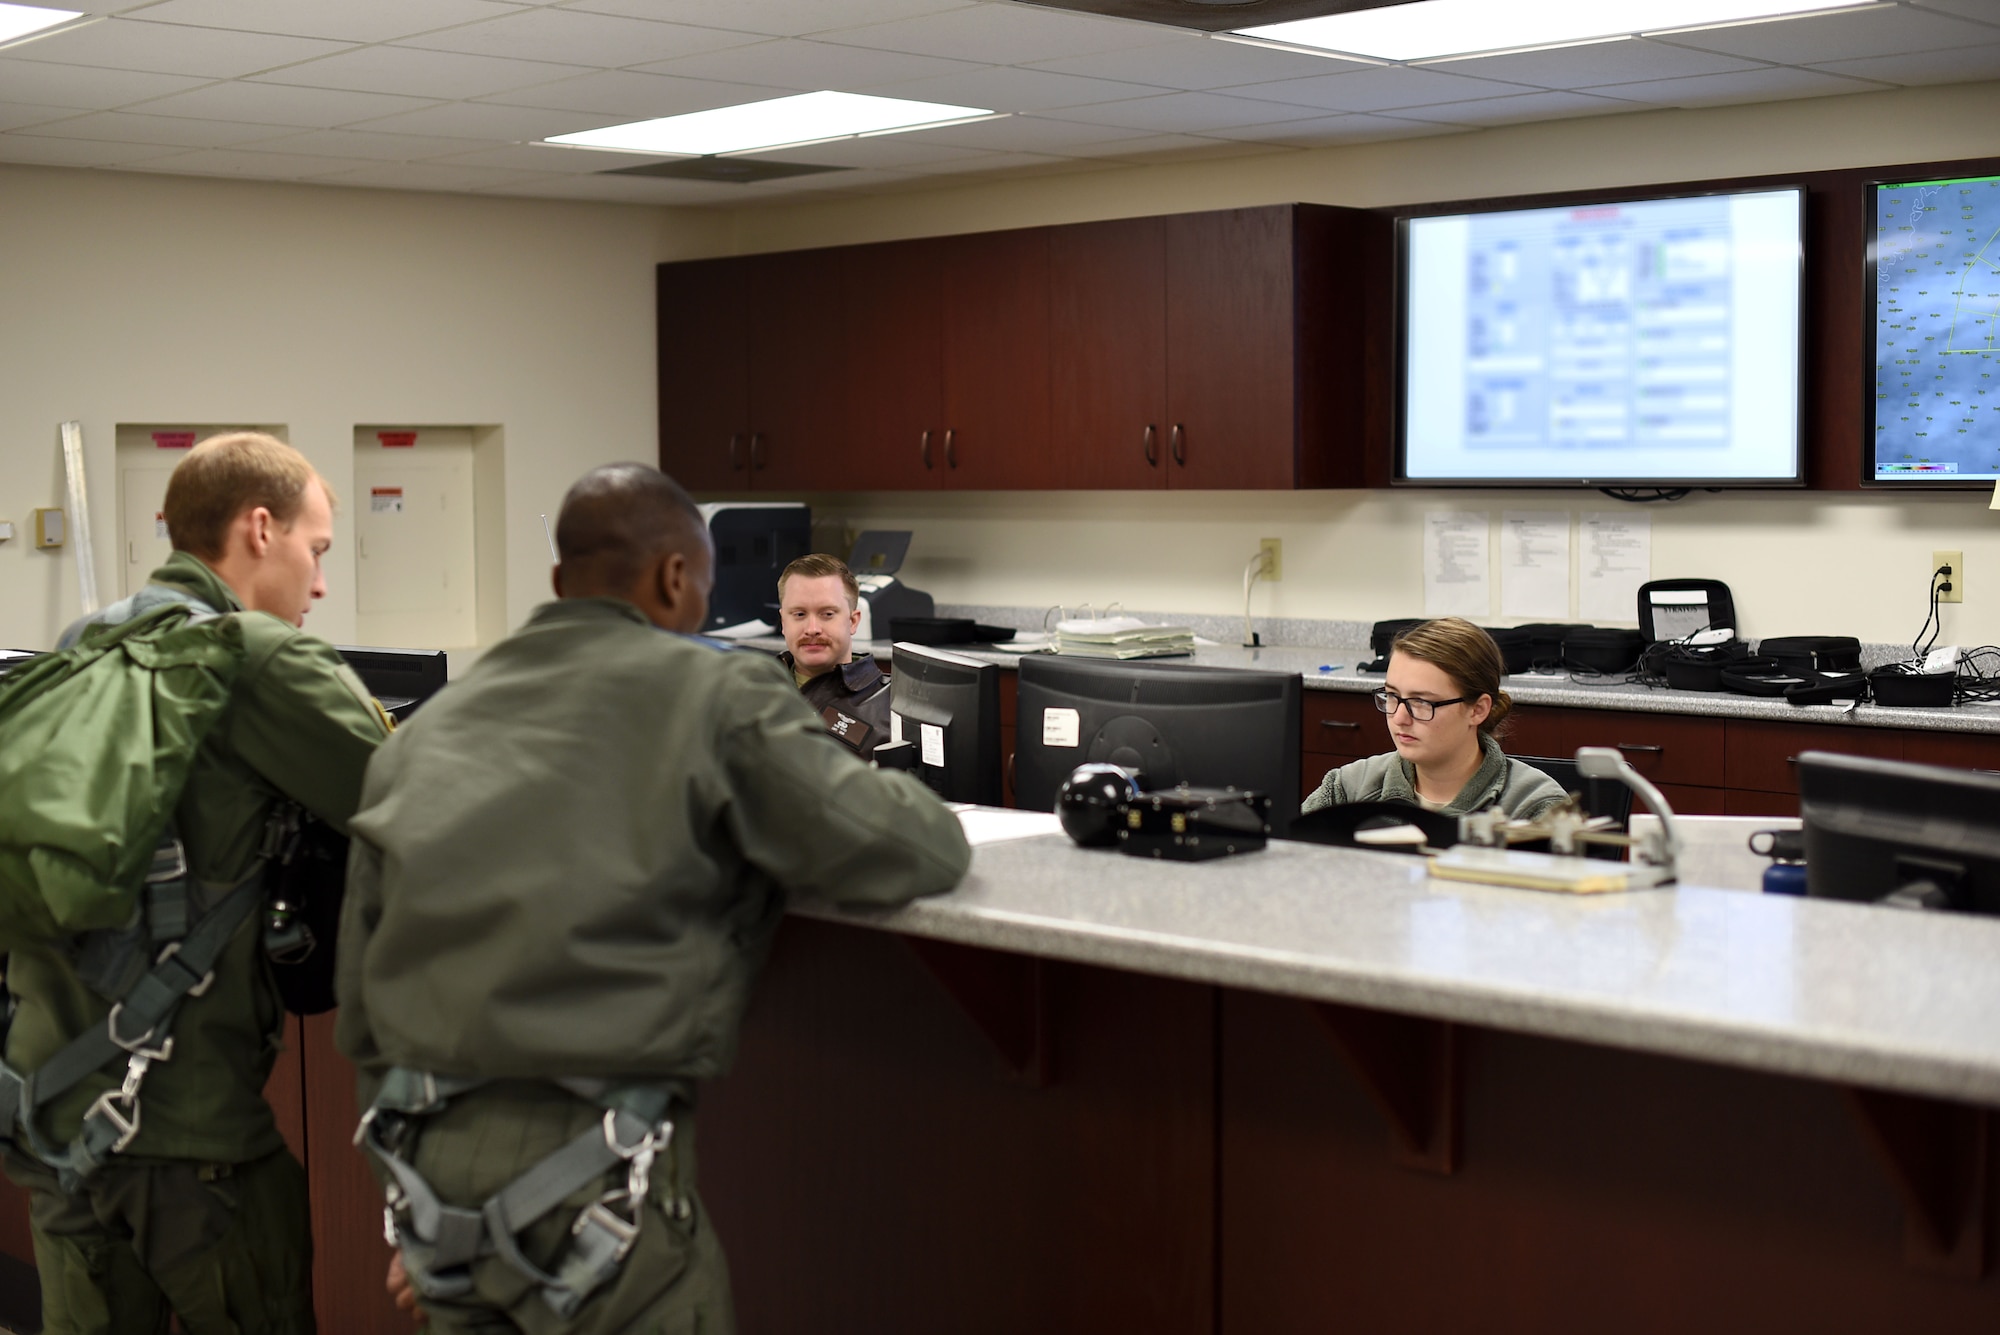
(754, 542)
(13, 658)
(1174, 723)
(948, 707)
(401, 679)
(1928, 834)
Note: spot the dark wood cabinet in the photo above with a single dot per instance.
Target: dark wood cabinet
(1205, 350)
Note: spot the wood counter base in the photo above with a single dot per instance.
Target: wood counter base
(1206, 1159)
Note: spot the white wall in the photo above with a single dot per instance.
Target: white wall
(1832, 563)
(147, 298)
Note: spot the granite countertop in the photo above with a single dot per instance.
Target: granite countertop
(1838, 992)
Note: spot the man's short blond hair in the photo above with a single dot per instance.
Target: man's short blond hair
(225, 475)
(818, 566)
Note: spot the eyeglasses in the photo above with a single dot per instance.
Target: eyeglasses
(1420, 710)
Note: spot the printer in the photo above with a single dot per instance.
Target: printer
(754, 541)
(875, 559)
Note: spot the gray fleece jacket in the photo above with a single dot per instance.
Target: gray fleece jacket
(1523, 791)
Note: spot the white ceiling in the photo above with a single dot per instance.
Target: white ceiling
(449, 94)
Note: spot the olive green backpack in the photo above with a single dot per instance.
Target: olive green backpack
(96, 743)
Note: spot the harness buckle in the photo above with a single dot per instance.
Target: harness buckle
(638, 1157)
(106, 1107)
(177, 871)
(200, 989)
(598, 1215)
(136, 1046)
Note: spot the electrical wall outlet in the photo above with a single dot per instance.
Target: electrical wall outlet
(1273, 568)
(1956, 560)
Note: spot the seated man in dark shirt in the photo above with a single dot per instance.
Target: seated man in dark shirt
(819, 608)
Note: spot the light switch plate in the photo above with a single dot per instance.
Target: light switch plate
(51, 528)
(6, 530)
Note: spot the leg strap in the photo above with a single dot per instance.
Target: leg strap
(447, 1239)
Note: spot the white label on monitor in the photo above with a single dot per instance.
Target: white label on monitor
(1061, 727)
(931, 740)
(895, 726)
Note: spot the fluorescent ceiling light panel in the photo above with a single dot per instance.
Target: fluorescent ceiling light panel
(808, 118)
(17, 21)
(1428, 29)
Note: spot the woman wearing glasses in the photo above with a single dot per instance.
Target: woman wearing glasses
(1444, 707)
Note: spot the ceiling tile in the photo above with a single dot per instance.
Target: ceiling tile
(1184, 113)
(1964, 64)
(15, 115)
(1983, 10)
(164, 48)
(1627, 60)
(124, 127)
(1519, 109)
(243, 162)
(487, 120)
(808, 66)
(427, 176)
(572, 37)
(1837, 36)
(983, 163)
(1380, 90)
(44, 151)
(281, 104)
(1324, 131)
(1715, 90)
(549, 159)
(364, 144)
(1005, 88)
(346, 21)
(778, 18)
(78, 86)
(1003, 34)
(633, 96)
(896, 152)
(398, 69)
(1198, 63)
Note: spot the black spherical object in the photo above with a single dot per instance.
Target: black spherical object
(1088, 803)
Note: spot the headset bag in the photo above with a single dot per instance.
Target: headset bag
(1515, 645)
(1382, 637)
(1814, 653)
(1670, 609)
(1545, 641)
(1900, 688)
(1602, 649)
(1699, 667)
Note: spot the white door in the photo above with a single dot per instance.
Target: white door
(413, 527)
(145, 547)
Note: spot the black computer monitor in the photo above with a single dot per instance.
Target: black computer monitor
(401, 679)
(1174, 723)
(1927, 834)
(947, 706)
(13, 658)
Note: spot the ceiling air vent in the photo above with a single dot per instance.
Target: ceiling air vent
(738, 171)
(1215, 15)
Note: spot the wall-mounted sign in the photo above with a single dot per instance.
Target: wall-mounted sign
(396, 440)
(173, 440)
(385, 500)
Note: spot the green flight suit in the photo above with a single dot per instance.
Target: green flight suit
(572, 865)
(205, 1213)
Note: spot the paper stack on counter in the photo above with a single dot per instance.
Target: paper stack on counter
(1121, 637)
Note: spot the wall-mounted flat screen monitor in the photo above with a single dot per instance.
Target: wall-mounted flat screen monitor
(1642, 342)
(1933, 401)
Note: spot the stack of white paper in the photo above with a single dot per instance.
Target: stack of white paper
(1121, 637)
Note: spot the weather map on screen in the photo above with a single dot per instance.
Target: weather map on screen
(1624, 341)
(1936, 259)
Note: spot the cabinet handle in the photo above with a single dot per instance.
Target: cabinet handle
(1791, 760)
(1147, 443)
(1177, 441)
(926, 449)
(1336, 723)
(735, 451)
(950, 449)
(1634, 746)
(756, 450)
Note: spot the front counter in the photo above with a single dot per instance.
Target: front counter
(1310, 1088)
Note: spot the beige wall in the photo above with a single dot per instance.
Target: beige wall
(144, 298)
(1853, 563)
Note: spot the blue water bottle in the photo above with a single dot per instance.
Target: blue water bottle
(1787, 850)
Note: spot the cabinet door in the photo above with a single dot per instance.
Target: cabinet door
(1108, 354)
(704, 373)
(893, 416)
(1231, 399)
(796, 336)
(995, 313)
